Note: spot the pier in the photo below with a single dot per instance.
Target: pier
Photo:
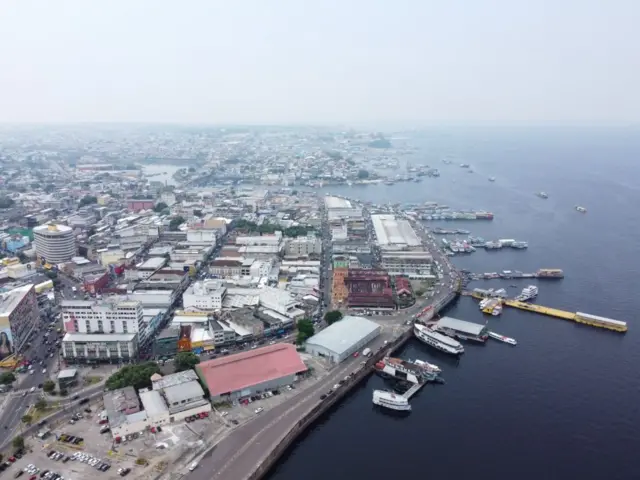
(413, 390)
(583, 318)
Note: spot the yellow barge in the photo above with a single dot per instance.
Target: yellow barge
(578, 317)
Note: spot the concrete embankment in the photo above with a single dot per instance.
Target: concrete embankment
(324, 405)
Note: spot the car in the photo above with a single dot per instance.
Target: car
(44, 370)
(355, 354)
(193, 466)
(19, 473)
(259, 410)
(323, 396)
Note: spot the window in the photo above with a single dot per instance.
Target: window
(125, 328)
(87, 324)
(113, 326)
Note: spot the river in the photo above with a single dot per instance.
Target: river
(564, 403)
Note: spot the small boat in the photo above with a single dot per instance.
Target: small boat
(492, 179)
(542, 195)
(581, 209)
(502, 338)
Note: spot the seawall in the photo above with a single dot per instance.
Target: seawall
(323, 405)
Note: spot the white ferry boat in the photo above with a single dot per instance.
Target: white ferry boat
(502, 338)
(528, 293)
(437, 340)
(428, 366)
(391, 400)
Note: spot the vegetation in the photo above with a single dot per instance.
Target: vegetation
(160, 206)
(49, 386)
(7, 378)
(18, 443)
(88, 200)
(305, 331)
(420, 292)
(141, 461)
(362, 174)
(333, 316)
(6, 202)
(185, 361)
(41, 404)
(267, 227)
(27, 419)
(175, 223)
(137, 376)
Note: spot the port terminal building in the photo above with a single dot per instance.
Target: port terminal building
(394, 232)
(343, 338)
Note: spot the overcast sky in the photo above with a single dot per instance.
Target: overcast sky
(321, 61)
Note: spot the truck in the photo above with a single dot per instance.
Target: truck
(366, 352)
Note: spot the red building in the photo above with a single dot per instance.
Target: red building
(95, 283)
(137, 205)
(403, 287)
(369, 289)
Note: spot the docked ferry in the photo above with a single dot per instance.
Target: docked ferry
(462, 330)
(391, 400)
(437, 340)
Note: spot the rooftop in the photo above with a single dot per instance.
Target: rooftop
(153, 403)
(391, 230)
(10, 300)
(242, 370)
(185, 391)
(340, 336)
(174, 379)
(99, 337)
(67, 373)
(461, 325)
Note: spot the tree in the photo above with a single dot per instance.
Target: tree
(332, 316)
(137, 376)
(41, 404)
(23, 258)
(7, 378)
(305, 330)
(160, 206)
(88, 200)
(6, 202)
(18, 443)
(362, 174)
(198, 213)
(49, 386)
(27, 419)
(185, 361)
(175, 223)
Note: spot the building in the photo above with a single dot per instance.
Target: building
(137, 205)
(19, 315)
(394, 232)
(67, 378)
(369, 289)
(54, 243)
(205, 295)
(82, 348)
(165, 345)
(343, 338)
(304, 246)
(113, 315)
(95, 282)
(412, 263)
(247, 373)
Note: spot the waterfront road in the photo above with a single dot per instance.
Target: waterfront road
(238, 454)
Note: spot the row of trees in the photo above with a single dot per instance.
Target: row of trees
(267, 227)
(139, 376)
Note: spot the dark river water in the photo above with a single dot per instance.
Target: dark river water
(564, 403)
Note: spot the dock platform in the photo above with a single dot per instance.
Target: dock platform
(413, 390)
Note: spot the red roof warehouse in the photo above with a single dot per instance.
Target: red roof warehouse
(247, 373)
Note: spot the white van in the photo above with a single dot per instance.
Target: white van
(366, 352)
(193, 466)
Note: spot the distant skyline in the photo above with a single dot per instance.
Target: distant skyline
(353, 62)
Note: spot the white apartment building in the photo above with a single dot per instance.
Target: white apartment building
(412, 263)
(304, 246)
(202, 236)
(54, 243)
(206, 295)
(106, 316)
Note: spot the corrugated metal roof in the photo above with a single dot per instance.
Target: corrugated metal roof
(340, 336)
(184, 391)
(461, 325)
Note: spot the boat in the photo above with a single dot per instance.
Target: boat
(519, 245)
(437, 340)
(492, 179)
(581, 209)
(497, 310)
(542, 195)
(398, 369)
(391, 400)
(464, 165)
(502, 338)
(430, 367)
(484, 302)
(528, 293)
(461, 329)
(550, 273)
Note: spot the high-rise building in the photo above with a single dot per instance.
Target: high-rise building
(19, 314)
(107, 316)
(54, 243)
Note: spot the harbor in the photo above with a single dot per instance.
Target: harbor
(543, 273)
(471, 244)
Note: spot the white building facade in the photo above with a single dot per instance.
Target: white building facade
(54, 243)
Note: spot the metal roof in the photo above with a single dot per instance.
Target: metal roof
(342, 335)
(153, 403)
(461, 325)
(184, 391)
(174, 379)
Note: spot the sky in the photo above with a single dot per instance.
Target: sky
(386, 62)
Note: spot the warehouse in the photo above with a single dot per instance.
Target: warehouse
(248, 373)
(343, 338)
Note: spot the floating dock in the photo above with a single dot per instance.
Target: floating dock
(578, 317)
(413, 390)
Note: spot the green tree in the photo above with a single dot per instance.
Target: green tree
(7, 378)
(23, 258)
(6, 202)
(175, 223)
(137, 376)
(49, 386)
(185, 361)
(27, 419)
(18, 443)
(362, 174)
(332, 316)
(41, 404)
(160, 206)
(88, 200)
(305, 330)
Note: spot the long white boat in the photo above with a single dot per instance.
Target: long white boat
(502, 338)
(437, 340)
(391, 400)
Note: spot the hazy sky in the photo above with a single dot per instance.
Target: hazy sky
(320, 61)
